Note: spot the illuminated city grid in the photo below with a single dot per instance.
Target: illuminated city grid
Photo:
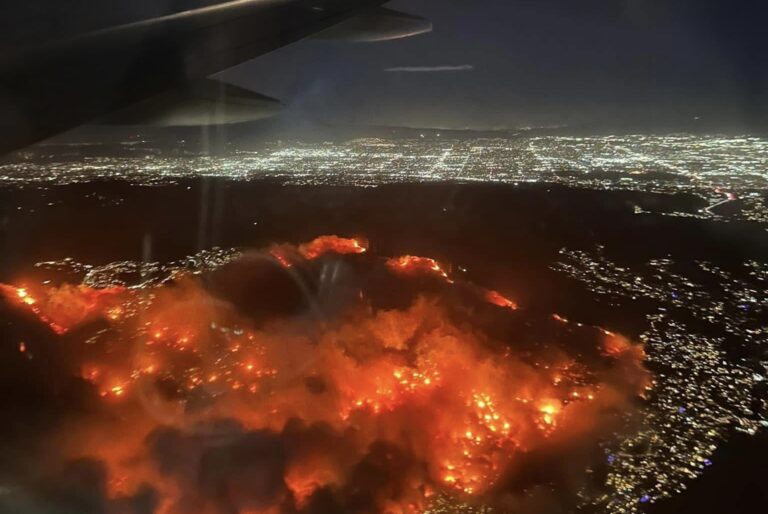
(700, 394)
(718, 169)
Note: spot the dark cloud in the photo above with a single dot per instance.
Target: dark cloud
(221, 465)
(77, 486)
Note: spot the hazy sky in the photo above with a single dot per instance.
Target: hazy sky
(516, 63)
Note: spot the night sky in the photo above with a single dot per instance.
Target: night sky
(524, 63)
(499, 64)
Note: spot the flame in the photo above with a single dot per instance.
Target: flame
(305, 477)
(414, 265)
(339, 245)
(458, 406)
(286, 254)
(500, 300)
(281, 256)
(616, 345)
(65, 307)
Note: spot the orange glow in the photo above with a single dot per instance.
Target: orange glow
(332, 244)
(304, 478)
(281, 256)
(414, 265)
(617, 345)
(286, 255)
(65, 307)
(416, 383)
(114, 391)
(497, 298)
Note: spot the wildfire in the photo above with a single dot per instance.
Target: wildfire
(286, 254)
(427, 400)
(414, 265)
(500, 300)
(281, 257)
(62, 308)
(334, 244)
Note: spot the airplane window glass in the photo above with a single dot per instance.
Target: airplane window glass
(370, 257)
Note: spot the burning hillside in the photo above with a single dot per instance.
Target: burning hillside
(319, 378)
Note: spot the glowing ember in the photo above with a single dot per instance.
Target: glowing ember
(413, 393)
(281, 257)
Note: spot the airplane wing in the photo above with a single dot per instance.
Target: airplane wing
(50, 87)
